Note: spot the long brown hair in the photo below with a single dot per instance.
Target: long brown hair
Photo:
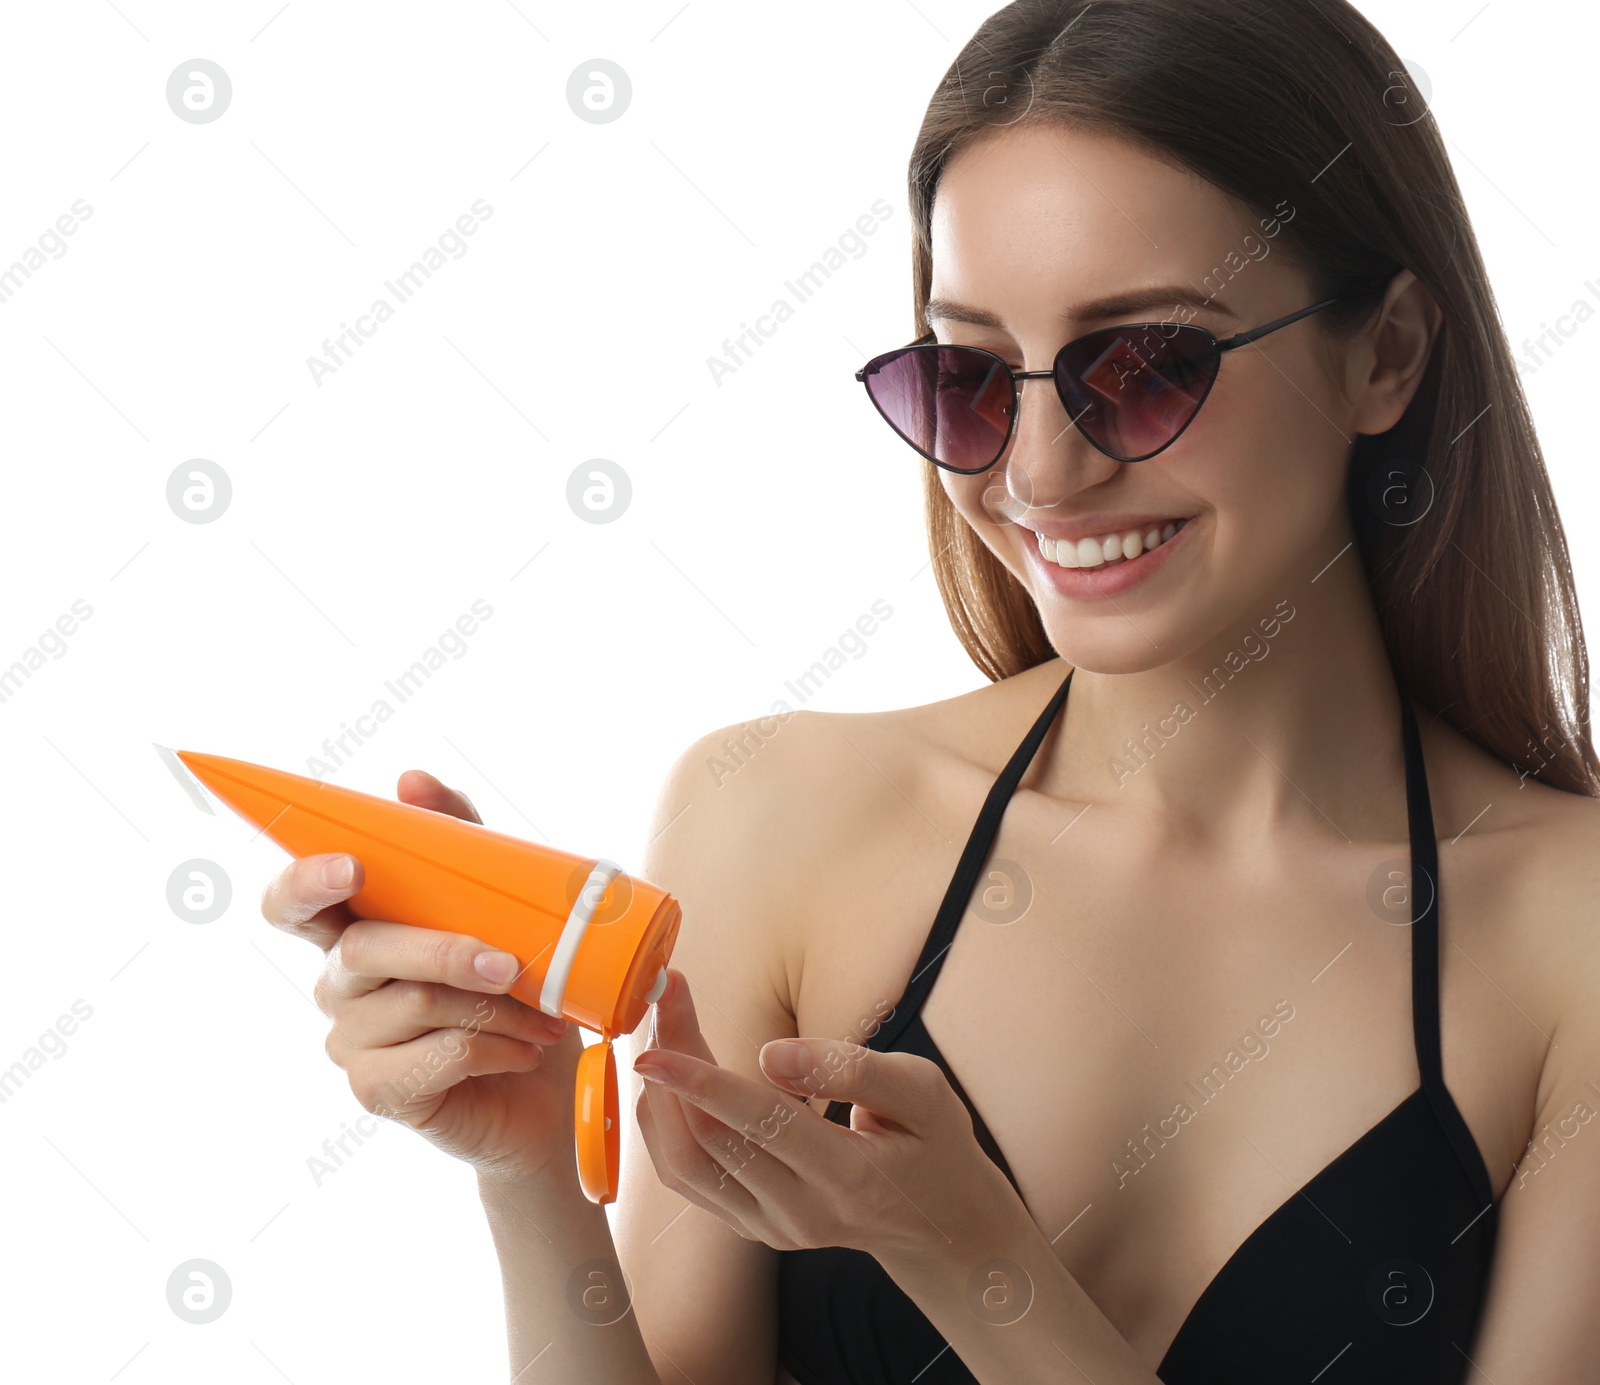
(1304, 103)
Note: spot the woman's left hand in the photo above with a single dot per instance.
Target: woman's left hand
(907, 1176)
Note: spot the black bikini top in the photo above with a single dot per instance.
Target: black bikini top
(1372, 1272)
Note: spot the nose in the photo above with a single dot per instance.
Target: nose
(1048, 459)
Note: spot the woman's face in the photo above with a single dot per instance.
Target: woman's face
(1030, 227)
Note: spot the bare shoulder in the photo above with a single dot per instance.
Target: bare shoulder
(1530, 856)
(784, 818)
(780, 837)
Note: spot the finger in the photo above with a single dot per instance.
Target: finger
(693, 1150)
(393, 1081)
(403, 1010)
(422, 790)
(684, 1164)
(680, 1162)
(675, 1024)
(716, 1106)
(678, 1128)
(745, 1154)
(893, 1090)
(306, 898)
(370, 952)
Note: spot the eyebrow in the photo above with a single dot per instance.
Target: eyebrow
(1096, 310)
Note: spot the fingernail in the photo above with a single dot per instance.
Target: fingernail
(785, 1058)
(339, 872)
(495, 966)
(651, 1070)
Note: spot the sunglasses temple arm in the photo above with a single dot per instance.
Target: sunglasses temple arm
(1245, 338)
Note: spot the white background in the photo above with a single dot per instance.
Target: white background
(369, 512)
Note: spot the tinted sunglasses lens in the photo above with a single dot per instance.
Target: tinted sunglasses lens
(951, 403)
(1134, 390)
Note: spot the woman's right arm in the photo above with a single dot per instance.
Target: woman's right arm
(739, 851)
(700, 1297)
(430, 1042)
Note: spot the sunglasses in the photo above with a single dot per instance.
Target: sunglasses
(1130, 390)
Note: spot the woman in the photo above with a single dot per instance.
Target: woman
(1273, 996)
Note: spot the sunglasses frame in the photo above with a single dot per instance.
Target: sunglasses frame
(927, 343)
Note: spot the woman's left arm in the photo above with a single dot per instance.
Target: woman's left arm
(1542, 1318)
(908, 1184)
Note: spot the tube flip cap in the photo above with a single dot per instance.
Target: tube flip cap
(596, 1122)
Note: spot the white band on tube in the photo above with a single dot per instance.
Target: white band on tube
(554, 990)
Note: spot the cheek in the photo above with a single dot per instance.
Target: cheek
(985, 503)
(967, 495)
(1268, 455)
(982, 501)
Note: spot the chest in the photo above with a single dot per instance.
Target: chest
(1166, 1044)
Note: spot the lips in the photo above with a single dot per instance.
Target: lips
(1102, 525)
(1109, 558)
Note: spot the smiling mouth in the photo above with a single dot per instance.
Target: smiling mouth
(1109, 549)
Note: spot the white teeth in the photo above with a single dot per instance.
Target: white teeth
(1112, 548)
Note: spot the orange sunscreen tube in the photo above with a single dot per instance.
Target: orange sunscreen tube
(592, 942)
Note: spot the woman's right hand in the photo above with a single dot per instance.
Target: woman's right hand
(425, 1037)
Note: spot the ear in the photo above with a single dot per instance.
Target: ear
(1394, 355)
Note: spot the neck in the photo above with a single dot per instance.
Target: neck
(1289, 714)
